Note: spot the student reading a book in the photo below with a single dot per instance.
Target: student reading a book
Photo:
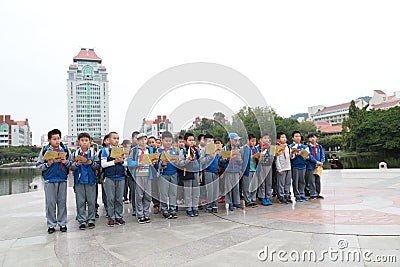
(168, 180)
(189, 162)
(55, 171)
(209, 159)
(232, 161)
(298, 155)
(264, 169)
(283, 169)
(314, 166)
(249, 152)
(143, 173)
(113, 163)
(84, 166)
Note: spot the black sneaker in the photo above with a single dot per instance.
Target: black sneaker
(289, 199)
(119, 221)
(111, 223)
(91, 225)
(82, 226)
(141, 220)
(282, 200)
(51, 230)
(63, 228)
(97, 215)
(165, 215)
(147, 219)
(215, 210)
(321, 197)
(196, 213)
(173, 215)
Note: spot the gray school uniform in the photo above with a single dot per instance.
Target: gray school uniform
(86, 193)
(284, 180)
(55, 194)
(168, 186)
(191, 190)
(211, 181)
(114, 189)
(264, 171)
(142, 186)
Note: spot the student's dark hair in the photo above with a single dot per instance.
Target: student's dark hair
(302, 138)
(125, 142)
(186, 136)
(264, 134)
(312, 135)
(166, 134)
(111, 133)
(295, 132)
(106, 137)
(84, 135)
(135, 133)
(180, 137)
(278, 136)
(200, 136)
(53, 132)
(334, 155)
(250, 136)
(217, 139)
(208, 136)
(151, 137)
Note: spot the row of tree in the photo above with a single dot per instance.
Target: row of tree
(18, 153)
(363, 130)
(371, 130)
(251, 120)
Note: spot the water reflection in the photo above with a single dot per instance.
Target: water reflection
(17, 180)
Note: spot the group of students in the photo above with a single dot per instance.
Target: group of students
(189, 171)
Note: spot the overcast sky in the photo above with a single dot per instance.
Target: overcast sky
(298, 53)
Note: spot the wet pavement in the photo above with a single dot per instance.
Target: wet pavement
(357, 224)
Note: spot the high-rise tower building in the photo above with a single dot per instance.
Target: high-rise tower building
(87, 97)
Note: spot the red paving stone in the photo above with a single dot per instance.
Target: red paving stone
(346, 217)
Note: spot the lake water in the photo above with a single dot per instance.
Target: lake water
(371, 161)
(17, 180)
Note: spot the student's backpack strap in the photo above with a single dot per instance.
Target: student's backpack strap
(65, 148)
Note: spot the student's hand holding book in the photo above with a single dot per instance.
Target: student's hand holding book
(50, 162)
(118, 160)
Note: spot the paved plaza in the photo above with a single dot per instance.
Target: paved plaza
(357, 224)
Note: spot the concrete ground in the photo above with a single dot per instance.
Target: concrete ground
(357, 224)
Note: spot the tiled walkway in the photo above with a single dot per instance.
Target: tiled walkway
(360, 214)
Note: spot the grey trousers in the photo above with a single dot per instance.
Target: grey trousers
(133, 194)
(265, 181)
(168, 186)
(212, 188)
(284, 181)
(298, 182)
(192, 193)
(249, 188)
(143, 196)
(232, 188)
(56, 201)
(85, 193)
(314, 182)
(114, 192)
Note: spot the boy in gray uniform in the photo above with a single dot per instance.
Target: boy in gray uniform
(84, 168)
(143, 175)
(168, 181)
(55, 173)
